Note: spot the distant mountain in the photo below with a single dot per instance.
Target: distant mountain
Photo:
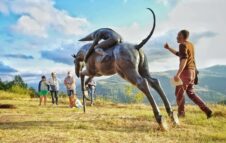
(212, 85)
(218, 70)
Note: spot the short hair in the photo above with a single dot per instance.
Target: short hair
(185, 33)
(43, 77)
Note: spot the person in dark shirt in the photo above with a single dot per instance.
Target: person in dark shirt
(109, 36)
(186, 73)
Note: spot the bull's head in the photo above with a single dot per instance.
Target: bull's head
(78, 64)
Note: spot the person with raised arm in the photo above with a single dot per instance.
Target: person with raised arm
(187, 73)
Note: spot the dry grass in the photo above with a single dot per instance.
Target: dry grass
(104, 123)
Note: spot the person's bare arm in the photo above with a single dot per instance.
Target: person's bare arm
(183, 60)
(181, 68)
(166, 46)
(183, 63)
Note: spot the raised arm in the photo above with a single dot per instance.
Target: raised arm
(166, 46)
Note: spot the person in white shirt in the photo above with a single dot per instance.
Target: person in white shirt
(69, 83)
(54, 87)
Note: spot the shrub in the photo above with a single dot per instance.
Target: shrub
(18, 86)
(19, 90)
(22, 91)
(2, 85)
(32, 93)
(134, 95)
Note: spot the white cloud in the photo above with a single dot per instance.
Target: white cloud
(168, 2)
(29, 26)
(3, 7)
(204, 19)
(133, 33)
(165, 2)
(37, 17)
(200, 17)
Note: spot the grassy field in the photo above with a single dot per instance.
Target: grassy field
(104, 123)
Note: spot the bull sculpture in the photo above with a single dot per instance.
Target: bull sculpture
(128, 61)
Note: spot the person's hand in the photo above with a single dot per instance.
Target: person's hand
(176, 78)
(166, 46)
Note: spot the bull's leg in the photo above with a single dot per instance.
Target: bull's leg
(83, 86)
(83, 91)
(154, 83)
(157, 86)
(90, 95)
(133, 77)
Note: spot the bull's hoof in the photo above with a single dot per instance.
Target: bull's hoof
(163, 125)
(175, 118)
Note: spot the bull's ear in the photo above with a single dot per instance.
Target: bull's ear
(74, 56)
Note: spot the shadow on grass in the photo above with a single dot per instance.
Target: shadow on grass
(103, 125)
(7, 106)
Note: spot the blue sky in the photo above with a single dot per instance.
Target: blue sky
(38, 36)
(116, 12)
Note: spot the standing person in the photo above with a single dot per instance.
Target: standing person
(69, 83)
(43, 89)
(54, 87)
(91, 88)
(186, 73)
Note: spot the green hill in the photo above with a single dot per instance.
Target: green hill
(212, 85)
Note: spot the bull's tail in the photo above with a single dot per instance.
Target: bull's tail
(140, 45)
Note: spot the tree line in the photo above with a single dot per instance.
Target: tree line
(127, 94)
(17, 85)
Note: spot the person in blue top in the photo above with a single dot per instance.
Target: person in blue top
(43, 89)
